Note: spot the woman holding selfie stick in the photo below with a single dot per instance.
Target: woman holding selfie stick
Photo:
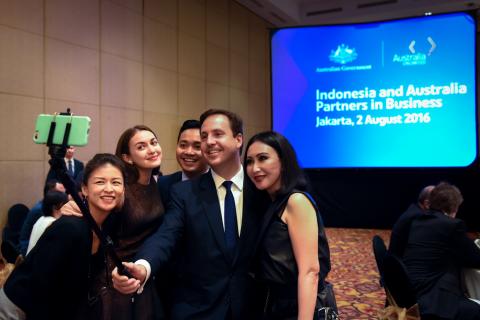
(141, 215)
(54, 280)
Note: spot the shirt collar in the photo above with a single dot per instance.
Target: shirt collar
(185, 177)
(237, 179)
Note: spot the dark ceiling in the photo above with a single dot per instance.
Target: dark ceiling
(312, 12)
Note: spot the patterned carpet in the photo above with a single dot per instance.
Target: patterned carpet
(354, 272)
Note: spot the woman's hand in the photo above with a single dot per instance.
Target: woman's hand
(128, 285)
(71, 209)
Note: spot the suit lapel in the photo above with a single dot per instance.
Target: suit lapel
(211, 207)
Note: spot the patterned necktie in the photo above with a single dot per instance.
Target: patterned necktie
(231, 229)
(70, 167)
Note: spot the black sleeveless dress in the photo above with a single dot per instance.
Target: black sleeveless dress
(277, 266)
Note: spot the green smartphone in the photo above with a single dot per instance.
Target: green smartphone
(80, 128)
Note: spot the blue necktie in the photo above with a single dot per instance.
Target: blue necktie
(231, 229)
(70, 167)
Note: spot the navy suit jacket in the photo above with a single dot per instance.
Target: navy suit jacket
(210, 283)
(165, 184)
(78, 168)
(437, 249)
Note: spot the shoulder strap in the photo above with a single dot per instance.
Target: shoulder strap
(283, 202)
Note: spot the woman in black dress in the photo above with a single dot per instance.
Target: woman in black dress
(293, 254)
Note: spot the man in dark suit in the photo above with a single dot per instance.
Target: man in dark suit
(189, 157)
(401, 229)
(437, 249)
(74, 166)
(215, 243)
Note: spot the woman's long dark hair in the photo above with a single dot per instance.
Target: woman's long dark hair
(292, 176)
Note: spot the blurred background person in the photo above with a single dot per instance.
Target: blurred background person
(35, 213)
(11, 232)
(74, 166)
(401, 228)
(437, 249)
(53, 201)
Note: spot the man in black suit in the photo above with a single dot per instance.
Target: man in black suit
(189, 157)
(401, 229)
(212, 280)
(74, 166)
(437, 249)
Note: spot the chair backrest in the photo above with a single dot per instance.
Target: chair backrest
(397, 281)
(16, 216)
(9, 251)
(379, 251)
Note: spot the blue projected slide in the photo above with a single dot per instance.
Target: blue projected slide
(387, 94)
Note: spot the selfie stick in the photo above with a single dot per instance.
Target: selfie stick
(57, 163)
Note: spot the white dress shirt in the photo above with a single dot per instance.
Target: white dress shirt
(237, 190)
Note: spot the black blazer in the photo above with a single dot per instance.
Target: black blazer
(52, 282)
(401, 230)
(209, 283)
(77, 170)
(165, 184)
(437, 249)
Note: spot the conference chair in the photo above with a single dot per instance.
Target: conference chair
(379, 251)
(400, 292)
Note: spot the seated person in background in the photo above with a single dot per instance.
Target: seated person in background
(437, 249)
(189, 157)
(10, 235)
(35, 213)
(401, 228)
(51, 205)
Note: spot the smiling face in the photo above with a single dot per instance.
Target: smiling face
(144, 151)
(220, 147)
(189, 153)
(264, 167)
(104, 190)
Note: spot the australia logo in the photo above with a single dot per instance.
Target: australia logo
(343, 54)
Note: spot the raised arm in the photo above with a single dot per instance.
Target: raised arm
(156, 251)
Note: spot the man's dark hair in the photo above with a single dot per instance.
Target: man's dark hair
(189, 124)
(53, 200)
(236, 123)
(446, 198)
(50, 185)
